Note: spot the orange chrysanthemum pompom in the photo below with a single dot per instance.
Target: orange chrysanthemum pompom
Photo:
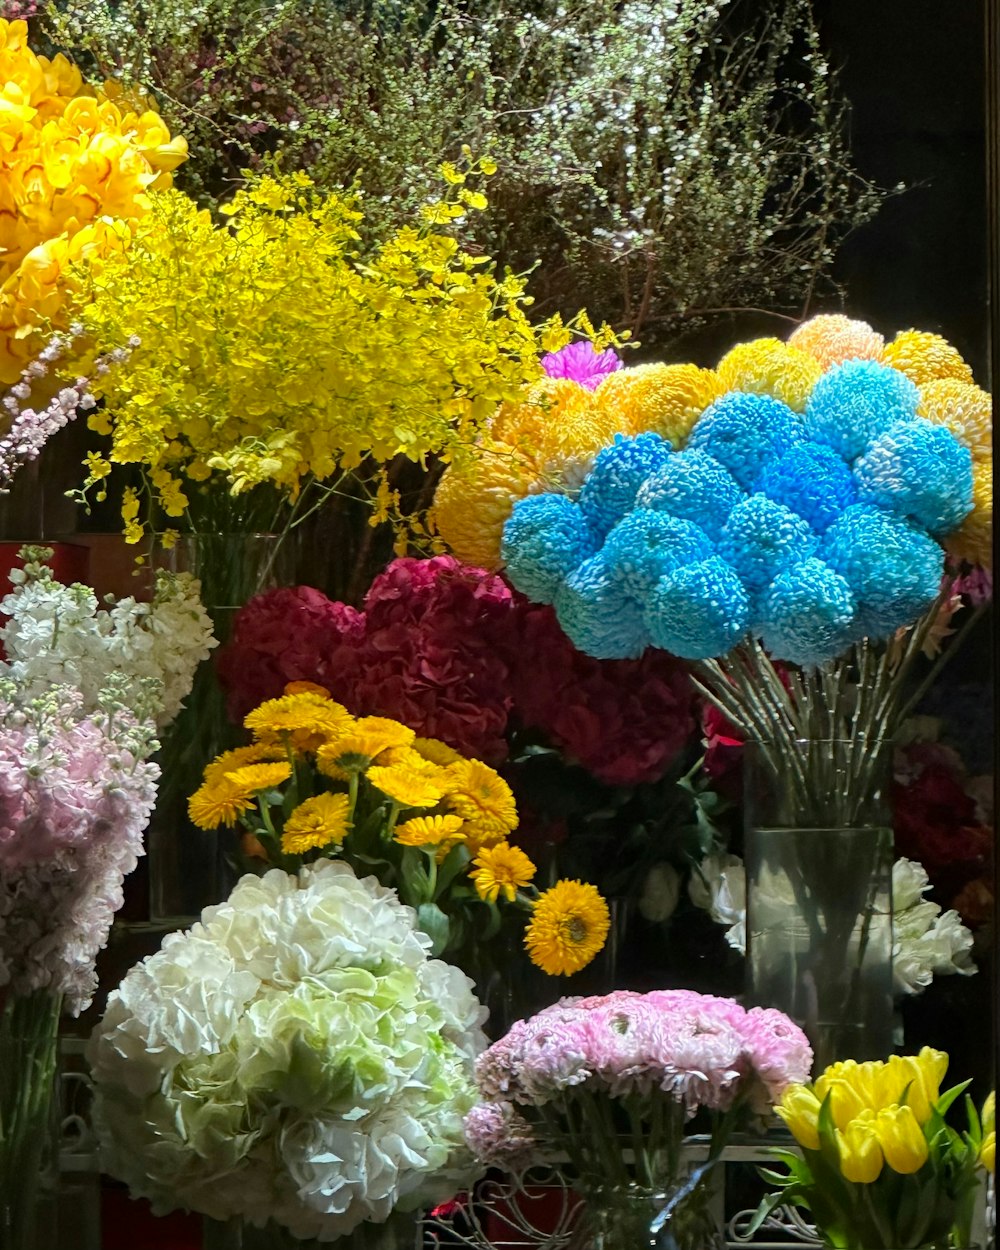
(664, 399)
(770, 367)
(924, 357)
(474, 500)
(963, 408)
(833, 338)
(972, 541)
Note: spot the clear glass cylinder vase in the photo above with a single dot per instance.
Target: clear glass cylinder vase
(819, 854)
(29, 1122)
(630, 1217)
(187, 866)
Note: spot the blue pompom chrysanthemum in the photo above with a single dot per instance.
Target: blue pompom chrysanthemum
(744, 432)
(597, 617)
(813, 481)
(692, 486)
(921, 471)
(702, 610)
(544, 540)
(647, 544)
(853, 403)
(619, 470)
(808, 614)
(762, 539)
(892, 567)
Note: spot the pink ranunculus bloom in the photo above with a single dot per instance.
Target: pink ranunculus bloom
(779, 1053)
(499, 1135)
(581, 364)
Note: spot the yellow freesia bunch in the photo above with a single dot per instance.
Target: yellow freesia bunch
(273, 351)
(880, 1167)
(425, 820)
(76, 161)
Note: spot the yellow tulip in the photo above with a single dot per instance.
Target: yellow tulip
(989, 1116)
(860, 1152)
(988, 1151)
(902, 1139)
(799, 1108)
(924, 1074)
(847, 1095)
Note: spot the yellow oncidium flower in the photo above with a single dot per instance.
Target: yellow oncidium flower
(501, 869)
(901, 1139)
(799, 1108)
(860, 1152)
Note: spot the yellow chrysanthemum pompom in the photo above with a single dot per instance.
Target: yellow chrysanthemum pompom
(551, 402)
(833, 338)
(924, 357)
(973, 540)
(474, 500)
(770, 367)
(664, 399)
(963, 408)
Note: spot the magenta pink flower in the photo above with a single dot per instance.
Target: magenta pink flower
(581, 363)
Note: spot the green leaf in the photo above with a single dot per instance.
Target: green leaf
(415, 881)
(435, 924)
(452, 866)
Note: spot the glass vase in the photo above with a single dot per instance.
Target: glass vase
(629, 1217)
(187, 866)
(819, 896)
(29, 1137)
(399, 1232)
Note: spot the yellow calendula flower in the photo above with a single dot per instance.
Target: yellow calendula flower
(307, 687)
(925, 357)
(860, 1152)
(407, 786)
(427, 830)
(770, 367)
(306, 718)
(435, 751)
(568, 926)
(238, 757)
(362, 741)
(501, 869)
(218, 802)
(254, 778)
(799, 1108)
(901, 1139)
(316, 822)
(484, 801)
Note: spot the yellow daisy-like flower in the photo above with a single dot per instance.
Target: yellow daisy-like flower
(228, 761)
(427, 830)
(435, 752)
(483, 800)
(770, 367)
(307, 718)
(664, 399)
(474, 500)
(833, 338)
(218, 802)
(363, 741)
(501, 869)
(256, 777)
(316, 822)
(308, 687)
(409, 787)
(963, 408)
(568, 927)
(924, 357)
(973, 540)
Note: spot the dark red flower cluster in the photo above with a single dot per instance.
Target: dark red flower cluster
(450, 651)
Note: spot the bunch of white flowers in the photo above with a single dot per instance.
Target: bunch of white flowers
(295, 1057)
(56, 635)
(926, 942)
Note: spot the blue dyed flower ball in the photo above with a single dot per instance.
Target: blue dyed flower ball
(693, 486)
(700, 611)
(744, 432)
(544, 540)
(892, 567)
(813, 481)
(853, 403)
(808, 614)
(597, 617)
(762, 539)
(921, 471)
(647, 544)
(619, 470)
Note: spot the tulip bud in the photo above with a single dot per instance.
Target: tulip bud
(860, 1152)
(902, 1139)
(989, 1116)
(923, 1074)
(799, 1108)
(846, 1099)
(988, 1151)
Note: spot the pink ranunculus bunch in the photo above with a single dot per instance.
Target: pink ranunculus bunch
(694, 1050)
(623, 720)
(75, 797)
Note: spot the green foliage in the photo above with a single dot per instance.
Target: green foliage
(665, 160)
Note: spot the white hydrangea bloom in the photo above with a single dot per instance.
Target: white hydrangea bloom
(293, 1057)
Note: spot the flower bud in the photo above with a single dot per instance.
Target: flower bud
(799, 1108)
(860, 1152)
(902, 1139)
(923, 1073)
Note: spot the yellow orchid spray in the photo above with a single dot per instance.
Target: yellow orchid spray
(879, 1166)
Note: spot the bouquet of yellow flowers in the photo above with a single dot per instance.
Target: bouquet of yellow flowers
(880, 1167)
(426, 821)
